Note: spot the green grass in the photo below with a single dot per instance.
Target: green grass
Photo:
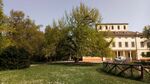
(62, 74)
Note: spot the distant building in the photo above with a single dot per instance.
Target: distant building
(126, 43)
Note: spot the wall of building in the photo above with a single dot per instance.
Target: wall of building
(92, 59)
(137, 45)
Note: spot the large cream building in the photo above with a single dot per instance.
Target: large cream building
(125, 43)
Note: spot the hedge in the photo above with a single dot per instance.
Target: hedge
(14, 58)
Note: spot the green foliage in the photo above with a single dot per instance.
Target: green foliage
(27, 34)
(146, 31)
(75, 36)
(65, 48)
(5, 41)
(99, 46)
(81, 20)
(82, 16)
(81, 38)
(14, 58)
(1, 11)
(72, 36)
(19, 30)
(53, 36)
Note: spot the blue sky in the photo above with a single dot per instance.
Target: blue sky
(134, 12)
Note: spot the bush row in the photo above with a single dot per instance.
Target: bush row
(14, 58)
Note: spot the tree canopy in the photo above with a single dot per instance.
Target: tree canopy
(80, 37)
(72, 36)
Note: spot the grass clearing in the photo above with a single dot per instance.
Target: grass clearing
(62, 73)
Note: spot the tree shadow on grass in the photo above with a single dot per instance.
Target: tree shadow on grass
(74, 64)
(101, 71)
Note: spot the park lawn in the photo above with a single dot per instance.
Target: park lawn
(62, 74)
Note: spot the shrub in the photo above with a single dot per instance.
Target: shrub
(38, 58)
(14, 58)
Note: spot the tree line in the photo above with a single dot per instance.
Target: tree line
(71, 37)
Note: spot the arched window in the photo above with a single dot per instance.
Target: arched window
(106, 27)
(100, 27)
(124, 27)
(120, 44)
(112, 27)
(118, 27)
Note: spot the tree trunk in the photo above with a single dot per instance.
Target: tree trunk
(76, 60)
(102, 58)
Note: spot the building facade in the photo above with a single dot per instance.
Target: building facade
(125, 43)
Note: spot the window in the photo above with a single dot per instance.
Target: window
(148, 44)
(143, 54)
(142, 44)
(126, 44)
(124, 27)
(118, 27)
(100, 27)
(113, 44)
(120, 44)
(132, 44)
(106, 27)
(119, 53)
(112, 27)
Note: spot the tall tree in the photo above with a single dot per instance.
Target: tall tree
(26, 33)
(82, 21)
(83, 15)
(76, 35)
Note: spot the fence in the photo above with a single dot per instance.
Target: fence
(134, 71)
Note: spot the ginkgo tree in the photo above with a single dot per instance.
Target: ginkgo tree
(82, 37)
